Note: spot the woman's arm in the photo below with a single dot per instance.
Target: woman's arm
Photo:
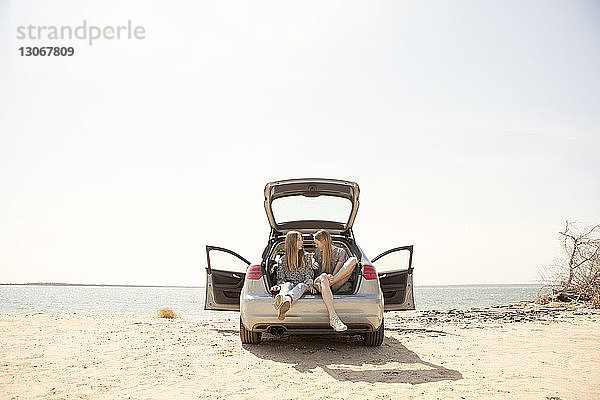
(343, 257)
(313, 262)
(307, 271)
(280, 272)
(308, 275)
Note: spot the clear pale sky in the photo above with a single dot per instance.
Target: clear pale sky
(472, 128)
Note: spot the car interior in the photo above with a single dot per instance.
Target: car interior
(279, 250)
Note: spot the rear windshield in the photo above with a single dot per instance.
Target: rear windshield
(302, 208)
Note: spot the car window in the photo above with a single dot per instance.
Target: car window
(223, 261)
(396, 261)
(301, 208)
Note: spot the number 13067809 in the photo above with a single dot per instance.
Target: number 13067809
(46, 51)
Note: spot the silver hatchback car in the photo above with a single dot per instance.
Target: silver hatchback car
(306, 205)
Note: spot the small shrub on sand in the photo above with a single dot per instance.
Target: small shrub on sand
(167, 313)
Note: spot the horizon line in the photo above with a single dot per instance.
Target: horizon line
(193, 286)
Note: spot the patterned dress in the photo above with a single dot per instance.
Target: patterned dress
(303, 274)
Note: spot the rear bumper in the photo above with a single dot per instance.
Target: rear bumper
(361, 313)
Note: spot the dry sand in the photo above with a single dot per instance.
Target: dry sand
(143, 357)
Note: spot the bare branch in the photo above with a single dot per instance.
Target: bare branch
(576, 276)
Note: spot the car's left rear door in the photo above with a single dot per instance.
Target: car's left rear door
(225, 274)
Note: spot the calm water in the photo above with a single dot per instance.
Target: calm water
(190, 301)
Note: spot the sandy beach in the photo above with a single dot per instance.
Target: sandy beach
(525, 352)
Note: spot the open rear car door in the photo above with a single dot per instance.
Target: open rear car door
(395, 271)
(225, 276)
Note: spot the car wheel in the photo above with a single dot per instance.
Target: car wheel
(249, 337)
(374, 338)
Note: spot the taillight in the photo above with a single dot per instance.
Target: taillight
(369, 272)
(254, 272)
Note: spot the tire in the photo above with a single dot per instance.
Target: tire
(374, 338)
(249, 337)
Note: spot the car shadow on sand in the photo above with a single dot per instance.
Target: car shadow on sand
(346, 358)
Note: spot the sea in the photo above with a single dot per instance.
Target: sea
(189, 301)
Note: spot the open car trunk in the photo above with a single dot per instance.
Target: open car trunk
(311, 203)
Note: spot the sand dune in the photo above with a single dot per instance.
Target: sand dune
(118, 356)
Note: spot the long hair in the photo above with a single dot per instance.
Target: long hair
(294, 257)
(324, 237)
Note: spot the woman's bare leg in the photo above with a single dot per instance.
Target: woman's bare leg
(327, 295)
(335, 321)
(344, 273)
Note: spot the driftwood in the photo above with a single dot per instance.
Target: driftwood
(576, 277)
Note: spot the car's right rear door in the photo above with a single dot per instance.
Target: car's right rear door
(395, 271)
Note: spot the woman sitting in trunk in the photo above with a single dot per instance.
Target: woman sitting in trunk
(294, 274)
(335, 268)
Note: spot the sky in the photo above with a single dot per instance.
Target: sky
(471, 127)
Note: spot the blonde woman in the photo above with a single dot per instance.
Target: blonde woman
(335, 268)
(294, 274)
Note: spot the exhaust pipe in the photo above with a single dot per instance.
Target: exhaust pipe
(276, 330)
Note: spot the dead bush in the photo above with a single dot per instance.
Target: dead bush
(167, 313)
